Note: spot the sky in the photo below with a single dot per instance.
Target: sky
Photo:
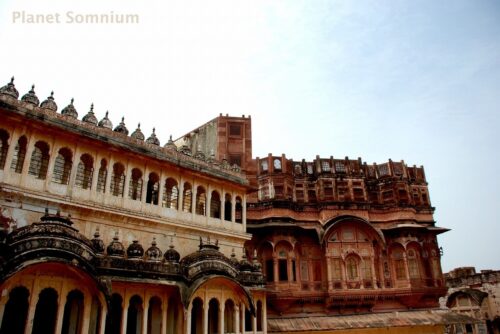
(408, 80)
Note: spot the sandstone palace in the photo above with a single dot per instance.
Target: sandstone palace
(106, 230)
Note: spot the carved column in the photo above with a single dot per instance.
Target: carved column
(125, 315)
(128, 176)
(61, 302)
(237, 319)
(87, 306)
(194, 203)
(145, 316)
(32, 307)
(222, 206)
(205, 316)
(208, 204)
(233, 208)
(187, 316)
(161, 189)
(221, 318)
(242, 315)
(180, 197)
(164, 310)
(244, 213)
(102, 321)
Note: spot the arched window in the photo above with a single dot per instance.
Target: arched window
(84, 172)
(101, 176)
(229, 317)
(413, 264)
(4, 147)
(19, 154)
(16, 311)
(399, 263)
(239, 210)
(114, 317)
(117, 180)
(135, 186)
(134, 316)
(73, 313)
(213, 316)
(39, 160)
(187, 197)
(228, 208)
(201, 199)
(197, 316)
(45, 312)
(154, 315)
(171, 194)
(352, 268)
(215, 205)
(153, 189)
(62, 166)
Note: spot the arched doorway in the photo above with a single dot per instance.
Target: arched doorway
(16, 311)
(213, 316)
(73, 313)
(45, 312)
(154, 316)
(114, 318)
(134, 315)
(197, 317)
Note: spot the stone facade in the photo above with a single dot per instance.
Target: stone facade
(476, 295)
(106, 232)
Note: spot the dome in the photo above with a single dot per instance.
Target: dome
(70, 110)
(137, 134)
(115, 248)
(90, 117)
(10, 89)
(97, 242)
(153, 140)
(244, 264)
(153, 253)
(170, 144)
(31, 97)
(105, 122)
(171, 255)
(121, 128)
(49, 103)
(135, 250)
(206, 261)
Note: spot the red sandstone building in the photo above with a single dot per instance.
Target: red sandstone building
(334, 245)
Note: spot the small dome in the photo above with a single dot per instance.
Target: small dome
(31, 97)
(135, 250)
(233, 259)
(90, 117)
(137, 134)
(97, 242)
(49, 103)
(257, 267)
(171, 255)
(105, 122)
(244, 264)
(115, 248)
(170, 144)
(10, 89)
(153, 253)
(70, 110)
(153, 140)
(121, 128)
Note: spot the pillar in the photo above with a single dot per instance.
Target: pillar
(221, 317)
(60, 307)
(205, 316)
(74, 170)
(222, 206)
(164, 310)
(102, 321)
(329, 272)
(275, 270)
(242, 315)
(145, 315)
(254, 324)
(187, 317)
(194, 193)
(180, 197)
(236, 319)
(32, 307)
(342, 269)
(87, 306)
(128, 176)
(30, 146)
(244, 213)
(233, 208)
(50, 167)
(125, 315)
(264, 315)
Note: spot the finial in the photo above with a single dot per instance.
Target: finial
(171, 242)
(153, 243)
(96, 233)
(92, 107)
(33, 87)
(123, 119)
(12, 80)
(170, 137)
(154, 130)
(52, 94)
(107, 113)
(72, 100)
(139, 125)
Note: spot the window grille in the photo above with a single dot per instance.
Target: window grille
(135, 185)
(187, 198)
(325, 166)
(367, 268)
(4, 147)
(19, 155)
(337, 270)
(101, 177)
(215, 204)
(39, 161)
(62, 167)
(171, 194)
(264, 166)
(238, 210)
(340, 167)
(383, 170)
(201, 199)
(117, 180)
(84, 172)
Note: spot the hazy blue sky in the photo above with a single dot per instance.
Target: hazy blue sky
(409, 80)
